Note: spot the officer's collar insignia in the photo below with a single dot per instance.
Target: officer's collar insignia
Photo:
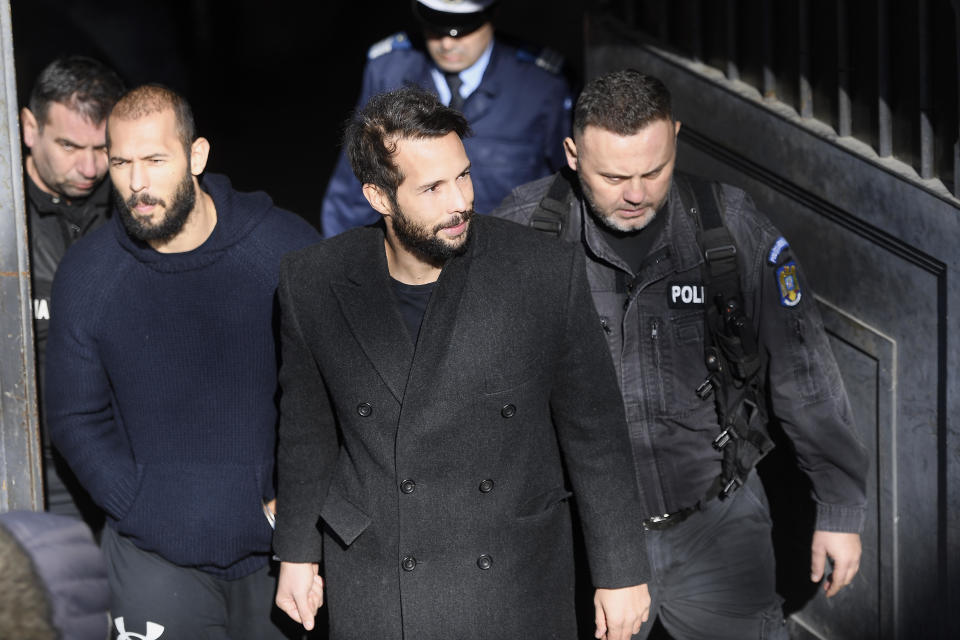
(391, 43)
(789, 284)
(777, 249)
(685, 295)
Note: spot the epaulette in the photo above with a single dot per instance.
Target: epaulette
(396, 42)
(546, 58)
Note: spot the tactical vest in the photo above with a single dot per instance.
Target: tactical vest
(731, 352)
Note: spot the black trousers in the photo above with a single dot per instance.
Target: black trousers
(714, 573)
(152, 598)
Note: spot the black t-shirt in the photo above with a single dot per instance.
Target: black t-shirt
(633, 246)
(412, 300)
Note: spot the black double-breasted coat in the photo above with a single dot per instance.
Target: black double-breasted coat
(429, 478)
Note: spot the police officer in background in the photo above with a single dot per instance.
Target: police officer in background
(64, 130)
(516, 101)
(711, 325)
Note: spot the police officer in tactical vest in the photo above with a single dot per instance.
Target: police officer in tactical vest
(64, 131)
(712, 328)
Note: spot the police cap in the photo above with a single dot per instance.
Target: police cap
(453, 18)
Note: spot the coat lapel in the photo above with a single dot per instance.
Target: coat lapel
(482, 100)
(368, 306)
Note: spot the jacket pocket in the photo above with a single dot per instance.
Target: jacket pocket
(815, 372)
(512, 374)
(199, 514)
(677, 348)
(344, 518)
(542, 503)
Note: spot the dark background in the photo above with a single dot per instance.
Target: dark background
(271, 83)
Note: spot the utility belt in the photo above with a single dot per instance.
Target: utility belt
(668, 520)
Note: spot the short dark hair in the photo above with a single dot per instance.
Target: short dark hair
(622, 102)
(148, 99)
(372, 134)
(79, 83)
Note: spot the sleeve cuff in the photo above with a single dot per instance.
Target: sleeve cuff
(626, 565)
(121, 497)
(840, 518)
(288, 550)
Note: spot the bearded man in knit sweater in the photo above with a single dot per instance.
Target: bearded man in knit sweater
(162, 348)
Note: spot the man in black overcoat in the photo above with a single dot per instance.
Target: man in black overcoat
(445, 389)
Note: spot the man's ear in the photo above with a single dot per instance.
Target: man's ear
(676, 128)
(570, 148)
(31, 128)
(199, 153)
(377, 199)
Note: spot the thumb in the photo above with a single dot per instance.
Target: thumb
(303, 608)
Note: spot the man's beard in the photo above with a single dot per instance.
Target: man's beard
(606, 219)
(426, 243)
(175, 216)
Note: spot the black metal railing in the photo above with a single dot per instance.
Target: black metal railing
(883, 72)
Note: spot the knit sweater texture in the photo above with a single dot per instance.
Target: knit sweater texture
(162, 381)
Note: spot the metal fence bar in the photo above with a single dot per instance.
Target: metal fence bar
(805, 107)
(20, 481)
(884, 117)
(844, 108)
(769, 76)
(732, 69)
(927, 169)
(695, 27)
(956, 143)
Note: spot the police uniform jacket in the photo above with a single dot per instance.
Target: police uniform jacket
(429, 478)
(519, 115)
(54, 225)
(654, 326)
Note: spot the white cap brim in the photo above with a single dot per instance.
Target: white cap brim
(456, 6)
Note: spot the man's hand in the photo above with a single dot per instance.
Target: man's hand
(300, 591)
(620, 612)
(844, 550)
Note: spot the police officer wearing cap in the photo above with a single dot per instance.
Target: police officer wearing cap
(516, 101)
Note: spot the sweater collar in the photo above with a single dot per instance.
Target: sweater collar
(237, 214)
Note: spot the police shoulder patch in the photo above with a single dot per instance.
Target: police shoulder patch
(777, 250)
(789, 284)
(395, 42)
(685, 295)
(548, 59)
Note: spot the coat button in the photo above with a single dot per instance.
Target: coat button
(484, 562)
(508, 411)
(409, 563)
(364, 409)
(486, 486)
(408, 486)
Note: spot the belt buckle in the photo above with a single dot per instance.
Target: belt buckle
(656, 523)
(667, 520)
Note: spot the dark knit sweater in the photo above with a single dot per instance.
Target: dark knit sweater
(165, 371)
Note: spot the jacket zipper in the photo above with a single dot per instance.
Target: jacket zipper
(657, 360)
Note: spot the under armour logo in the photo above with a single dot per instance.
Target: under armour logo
(154, 631)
